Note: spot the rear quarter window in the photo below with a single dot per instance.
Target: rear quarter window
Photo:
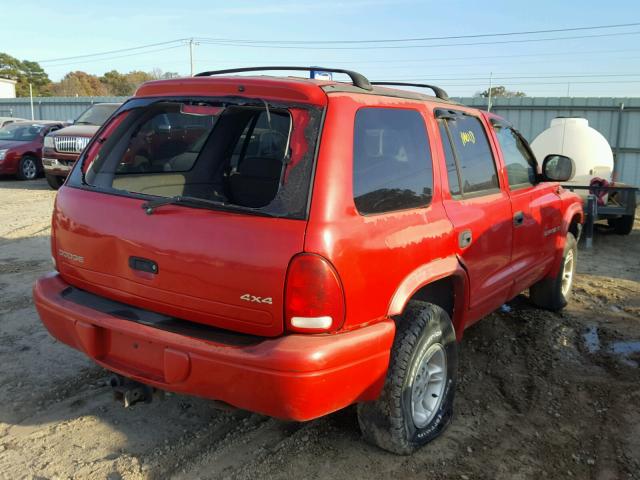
(392, 166)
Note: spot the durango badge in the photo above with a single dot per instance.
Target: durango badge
(70, 256)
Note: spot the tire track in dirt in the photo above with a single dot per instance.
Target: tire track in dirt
(21, 266)
(17, 234)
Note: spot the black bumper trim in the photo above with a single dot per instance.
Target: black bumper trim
(158, 320)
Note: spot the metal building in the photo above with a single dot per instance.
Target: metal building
(51, 108)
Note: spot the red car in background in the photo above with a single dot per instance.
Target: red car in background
(21, 147)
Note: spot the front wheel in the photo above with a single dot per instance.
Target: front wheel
(416, 403)
(553, 293)
(28, 168)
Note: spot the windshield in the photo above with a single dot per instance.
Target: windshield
(96, 115)
(253, 157)
(21, 132)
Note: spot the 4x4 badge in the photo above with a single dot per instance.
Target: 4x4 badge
(252, 298)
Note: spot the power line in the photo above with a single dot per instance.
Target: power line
(501, 42)
(113, 51)
(420, 39)
(281, 43)
(519, 77)
(217, 61)
(482, 57)
(113, 58)
(434, 59)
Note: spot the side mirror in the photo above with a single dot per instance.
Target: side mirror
(71, 121)
(557, 168)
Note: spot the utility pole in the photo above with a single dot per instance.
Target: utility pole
(490, 87)
(31, 100)
(191, 45)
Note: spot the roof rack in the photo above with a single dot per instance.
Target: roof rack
(440, 93)
(358, 79)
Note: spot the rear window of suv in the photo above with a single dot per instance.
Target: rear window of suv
(392, 167)
(252, 157)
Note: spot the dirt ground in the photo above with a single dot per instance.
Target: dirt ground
(541, 395)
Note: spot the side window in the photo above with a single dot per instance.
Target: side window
(392, 167)
(450, 159)
(470, 146)
(517, 159)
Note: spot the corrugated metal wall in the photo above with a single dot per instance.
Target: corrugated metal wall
(530, 115)
(620, 126)
(51, 108)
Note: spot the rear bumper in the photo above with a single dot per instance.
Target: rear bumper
(296, 377)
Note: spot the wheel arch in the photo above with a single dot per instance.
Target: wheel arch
(575, 224)
(442, 282)
(572, 221)
(30, 154)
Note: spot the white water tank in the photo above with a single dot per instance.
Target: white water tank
(587, 147)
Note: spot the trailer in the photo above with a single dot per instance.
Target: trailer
(619, 210)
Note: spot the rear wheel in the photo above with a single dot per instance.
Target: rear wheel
(622, 225)
(553, 293)
(28, 168)
(416, 403)
(54, 181)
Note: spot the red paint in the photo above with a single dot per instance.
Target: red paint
(365, 268)
(294, 376)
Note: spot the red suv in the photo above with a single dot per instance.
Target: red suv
(292, 246)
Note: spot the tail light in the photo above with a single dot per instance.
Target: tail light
(314, 299)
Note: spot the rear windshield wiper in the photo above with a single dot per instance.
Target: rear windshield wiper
(151, 205)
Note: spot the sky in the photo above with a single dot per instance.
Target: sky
(603, 62)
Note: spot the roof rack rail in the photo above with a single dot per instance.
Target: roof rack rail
(440, 93)
(358, 79)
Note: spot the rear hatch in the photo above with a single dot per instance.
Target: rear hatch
(192, 208)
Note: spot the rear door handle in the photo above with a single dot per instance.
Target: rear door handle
(465, 238)
(518, 219)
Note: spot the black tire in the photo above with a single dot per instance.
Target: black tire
(54, 181)
(622, 225)
(28, 168)
(389, 421)
(548, 293)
